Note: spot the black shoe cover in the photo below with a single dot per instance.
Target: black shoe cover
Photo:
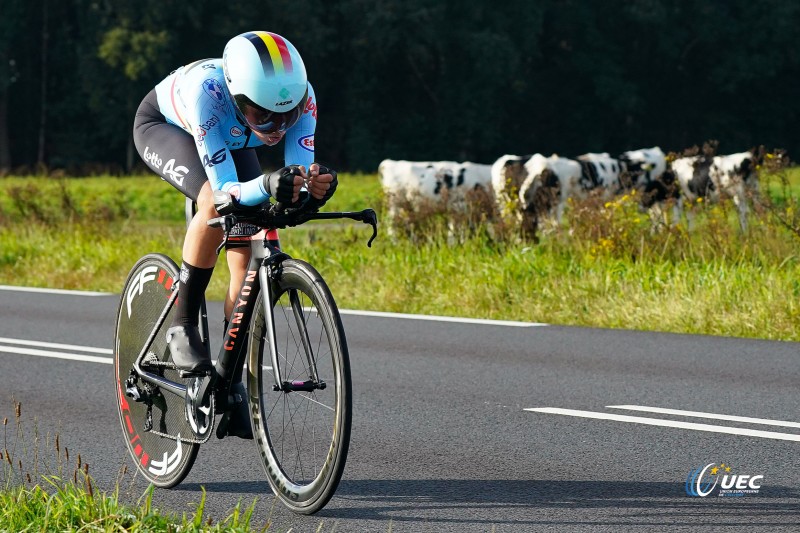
(236, 422)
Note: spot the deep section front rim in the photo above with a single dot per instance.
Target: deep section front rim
(302, 435)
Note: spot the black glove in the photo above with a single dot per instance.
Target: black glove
(315, 203)
(280, 184)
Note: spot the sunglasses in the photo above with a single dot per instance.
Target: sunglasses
(266, 121)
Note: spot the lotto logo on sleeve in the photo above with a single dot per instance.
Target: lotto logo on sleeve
(307, 142)
(311, 107)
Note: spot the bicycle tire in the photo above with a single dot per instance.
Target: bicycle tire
(305, 478)
(163, 461)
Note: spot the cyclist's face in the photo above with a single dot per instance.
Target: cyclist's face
(270, 139)
(256, 116)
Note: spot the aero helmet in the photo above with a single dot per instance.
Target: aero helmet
(267, 80)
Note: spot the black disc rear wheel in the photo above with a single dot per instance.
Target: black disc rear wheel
(157, 435)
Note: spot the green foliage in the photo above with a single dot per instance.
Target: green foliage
(92, 200)
(133, 52)
(421, 80)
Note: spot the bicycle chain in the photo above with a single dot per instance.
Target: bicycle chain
(152, 361)
(188, 441)
(160, 364)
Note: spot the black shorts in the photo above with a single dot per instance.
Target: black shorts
(178, 162)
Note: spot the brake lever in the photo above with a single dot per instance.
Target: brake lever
(369, 217)
(226, 222)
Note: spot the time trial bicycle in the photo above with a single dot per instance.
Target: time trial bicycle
(285, 331)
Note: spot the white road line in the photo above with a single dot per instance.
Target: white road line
(62, 355)
(667, 423)
(72, 356)
(57, 355)
(52, 291)
(435, 318)
(6, 340)
(713, 416)
(355, 312)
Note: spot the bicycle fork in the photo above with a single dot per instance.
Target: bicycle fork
(266, 273)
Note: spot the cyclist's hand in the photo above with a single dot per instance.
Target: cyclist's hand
(284, 184)
(322, 183)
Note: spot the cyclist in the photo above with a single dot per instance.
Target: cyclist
(198, 129)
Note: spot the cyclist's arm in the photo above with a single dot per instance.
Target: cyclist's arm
(208, 117)
(299, 149)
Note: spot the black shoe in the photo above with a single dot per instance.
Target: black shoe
(188, 351)
(236, 422)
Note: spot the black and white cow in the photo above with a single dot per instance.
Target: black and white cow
(735, 175)
(438, 185)
(457, 179)
(713, 177)
(401, 182)
(549, 182)
(686, 178)
(507, 175)
(642, 167)
(600, 172)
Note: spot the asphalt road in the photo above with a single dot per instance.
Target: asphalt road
(443, 438)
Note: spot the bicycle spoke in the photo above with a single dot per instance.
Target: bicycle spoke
(309, 399)
(300, 446)
(296, 343)
(303, 427)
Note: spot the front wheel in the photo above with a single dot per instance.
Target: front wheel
(302, 435)
(158, 438)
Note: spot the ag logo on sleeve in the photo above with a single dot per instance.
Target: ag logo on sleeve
(218, 157)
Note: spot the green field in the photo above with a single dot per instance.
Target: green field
(610, 269)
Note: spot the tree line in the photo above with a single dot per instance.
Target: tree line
(414, 79)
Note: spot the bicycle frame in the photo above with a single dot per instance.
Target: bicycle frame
(265, 259)
(264, 254)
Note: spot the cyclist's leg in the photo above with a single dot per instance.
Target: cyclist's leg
(238, 256)
(170, 152)
(238, 259)
(238, 247)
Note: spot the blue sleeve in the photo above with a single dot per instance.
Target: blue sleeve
(299, 149)
(207, 114)
(250, 192)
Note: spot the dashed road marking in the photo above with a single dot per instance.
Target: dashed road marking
(713, 416)
(666, 423)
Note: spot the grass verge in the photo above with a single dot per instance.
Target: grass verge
(43, 488)
(609, 269)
